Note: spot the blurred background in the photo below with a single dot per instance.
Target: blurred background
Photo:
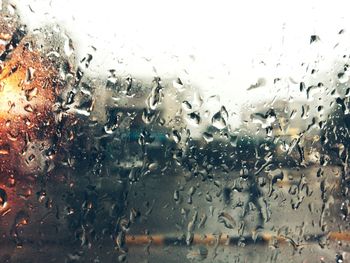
(183, 131)
(220, 48)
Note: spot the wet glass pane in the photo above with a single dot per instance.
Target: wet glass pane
(174, 132)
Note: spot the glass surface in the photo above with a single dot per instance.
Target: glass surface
(206, 146)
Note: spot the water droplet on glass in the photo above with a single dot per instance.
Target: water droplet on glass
(3, 198)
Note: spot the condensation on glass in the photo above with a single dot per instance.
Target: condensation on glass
(120, 169)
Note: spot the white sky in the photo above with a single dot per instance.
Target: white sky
(215, 45)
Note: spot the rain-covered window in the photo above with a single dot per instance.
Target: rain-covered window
(174, 131)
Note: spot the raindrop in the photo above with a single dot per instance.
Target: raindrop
(314, 38)
(208, 137)
(186, 105)
(176, 195)
(339, 258)
(226, 219)
(29, 75)
(31, 93)
(156, 95)
(177, 83)
(3, 198)
(343, 78)
(219, 119)
(176, 136)
(194, 118)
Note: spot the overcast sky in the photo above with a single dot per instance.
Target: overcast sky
(223, 47)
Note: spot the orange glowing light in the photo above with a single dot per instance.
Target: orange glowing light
(27, 95)
(24, 86)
